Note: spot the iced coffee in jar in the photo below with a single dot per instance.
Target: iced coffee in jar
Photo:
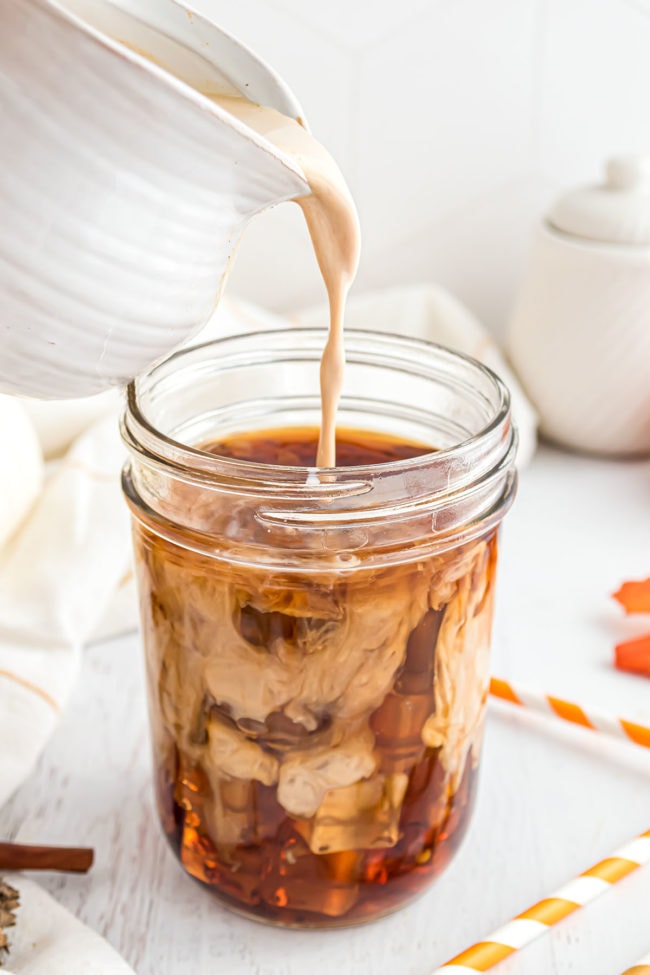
(317, 641)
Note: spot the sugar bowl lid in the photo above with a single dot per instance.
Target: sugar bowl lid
(617, 211)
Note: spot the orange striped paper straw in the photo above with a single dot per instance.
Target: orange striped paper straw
(642, 967)
(534, 922)
(568, 711)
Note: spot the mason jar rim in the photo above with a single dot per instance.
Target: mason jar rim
(143, 436)
(437, 499)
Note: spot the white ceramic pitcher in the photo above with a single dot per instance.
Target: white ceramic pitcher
(123, 190)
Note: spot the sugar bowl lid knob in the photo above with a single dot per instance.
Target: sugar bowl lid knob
(616, 211)
(629, 173)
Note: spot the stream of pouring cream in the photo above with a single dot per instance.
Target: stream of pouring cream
(333, 224)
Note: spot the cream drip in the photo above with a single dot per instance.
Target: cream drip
(333, 225)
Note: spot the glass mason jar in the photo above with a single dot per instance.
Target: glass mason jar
(317, 643)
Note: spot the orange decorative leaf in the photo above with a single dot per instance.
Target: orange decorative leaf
(634, 597)
(633, 656)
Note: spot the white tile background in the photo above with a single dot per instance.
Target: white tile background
(456, 123)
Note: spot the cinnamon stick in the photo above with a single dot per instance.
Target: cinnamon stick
(16, 856)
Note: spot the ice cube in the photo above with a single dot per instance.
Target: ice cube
(359, 817)
(319, 885)
(416, 676)
(398, 725)
(306, 775)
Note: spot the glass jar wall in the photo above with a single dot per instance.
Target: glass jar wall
(317, 642)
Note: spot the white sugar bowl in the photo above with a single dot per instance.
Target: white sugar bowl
(580, 332)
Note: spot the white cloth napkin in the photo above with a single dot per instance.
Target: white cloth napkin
(21, 464)
(57, 573)
(48, 940)
(65, 563)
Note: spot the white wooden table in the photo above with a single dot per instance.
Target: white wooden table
(552, 800)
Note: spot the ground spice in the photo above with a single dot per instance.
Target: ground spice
(9, 901)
